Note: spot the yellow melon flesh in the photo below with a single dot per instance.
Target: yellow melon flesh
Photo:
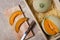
(19, 23)
(50, 27)
(14, 15)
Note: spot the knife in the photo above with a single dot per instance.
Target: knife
(28, 30)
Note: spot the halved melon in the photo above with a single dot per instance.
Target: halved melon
(49, 25)
(41, 5)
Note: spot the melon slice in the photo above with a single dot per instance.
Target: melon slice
(50, 27)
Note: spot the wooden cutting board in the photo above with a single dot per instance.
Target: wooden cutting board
(52, 11)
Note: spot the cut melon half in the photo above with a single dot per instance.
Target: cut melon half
(49, 27)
